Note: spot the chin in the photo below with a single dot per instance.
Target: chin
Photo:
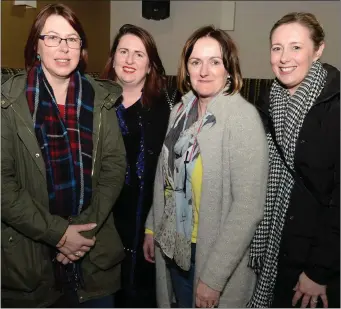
(63, 74)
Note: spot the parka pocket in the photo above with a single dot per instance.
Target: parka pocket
(108, 250)
(22, 261)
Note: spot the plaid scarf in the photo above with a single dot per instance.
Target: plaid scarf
(66, 144)
(288, 113)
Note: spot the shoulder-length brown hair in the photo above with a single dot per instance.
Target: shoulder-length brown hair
(38, 25)
(155, 80)
(229, 53)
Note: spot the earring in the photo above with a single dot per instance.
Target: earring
(228, 82)
(38, 57)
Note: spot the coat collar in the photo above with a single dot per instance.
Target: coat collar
(106, 91)
(332, 85)
(13, 95)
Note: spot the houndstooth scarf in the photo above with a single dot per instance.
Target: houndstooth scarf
(287, 113)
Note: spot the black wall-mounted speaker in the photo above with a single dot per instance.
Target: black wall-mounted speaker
(156, 10)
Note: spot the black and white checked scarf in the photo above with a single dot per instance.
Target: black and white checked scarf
(287, 113)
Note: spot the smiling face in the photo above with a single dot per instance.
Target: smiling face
(60, 61)
(131, 62)
(292, 54)
(206, 68)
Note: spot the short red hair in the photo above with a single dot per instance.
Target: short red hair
(38, 25)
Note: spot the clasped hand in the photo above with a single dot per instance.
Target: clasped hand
(73, 245)
(309, 291)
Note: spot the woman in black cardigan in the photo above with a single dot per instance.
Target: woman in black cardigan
(143, 112)
(296, 248)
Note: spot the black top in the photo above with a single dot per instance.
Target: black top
(126, 205)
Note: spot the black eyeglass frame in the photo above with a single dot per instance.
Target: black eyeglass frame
(42, 37)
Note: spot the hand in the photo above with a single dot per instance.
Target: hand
(72, 241)
(310, 291)
(148, 248)
(205, 297)
(71, 257)
(63, 259)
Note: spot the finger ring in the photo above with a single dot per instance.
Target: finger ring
(78, 254)
(314, 300)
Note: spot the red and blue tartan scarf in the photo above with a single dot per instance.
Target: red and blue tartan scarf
(66, 144)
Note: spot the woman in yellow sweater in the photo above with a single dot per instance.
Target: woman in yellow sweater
(210, 182)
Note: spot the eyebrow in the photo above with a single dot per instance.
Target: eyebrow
(209, 58)
(135, 51)
(292, 43)
(68, 35)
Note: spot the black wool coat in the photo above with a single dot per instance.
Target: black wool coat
(311, 235)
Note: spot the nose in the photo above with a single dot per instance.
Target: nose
(285, 56)
(63, 46)
(204, 70)
(129, 58)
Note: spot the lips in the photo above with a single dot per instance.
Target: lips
(287, 69)
(62, 60)
(129, 69)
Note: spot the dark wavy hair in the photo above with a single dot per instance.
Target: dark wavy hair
(155, 80)
(38, 25)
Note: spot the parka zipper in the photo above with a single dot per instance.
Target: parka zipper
(96, 145)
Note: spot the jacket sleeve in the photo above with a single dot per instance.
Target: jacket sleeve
(111, 175)
(19, 209)
(245, 154)
(324, 257)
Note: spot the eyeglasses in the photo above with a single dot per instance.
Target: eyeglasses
(54, 41)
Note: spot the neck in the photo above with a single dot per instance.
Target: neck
(202, 106)
(131, 95)
(59, 86)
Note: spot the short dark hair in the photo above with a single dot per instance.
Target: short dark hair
(307, 20)
(230, 58)
(38, 25)
(155, 80)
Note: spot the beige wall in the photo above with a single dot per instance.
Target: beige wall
(171, 34)
(254, 20)
(16, 22)
(252, 23)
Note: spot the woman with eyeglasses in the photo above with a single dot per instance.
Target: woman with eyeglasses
(143, 112)
(62, 168)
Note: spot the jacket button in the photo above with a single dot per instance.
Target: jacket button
(10, 239)
(150, 152)
(37, 155)
(291, 218)
(302, 141)
(3, 102)
(81, 298)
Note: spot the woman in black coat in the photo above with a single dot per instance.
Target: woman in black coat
(143, 112)
(296, 248)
